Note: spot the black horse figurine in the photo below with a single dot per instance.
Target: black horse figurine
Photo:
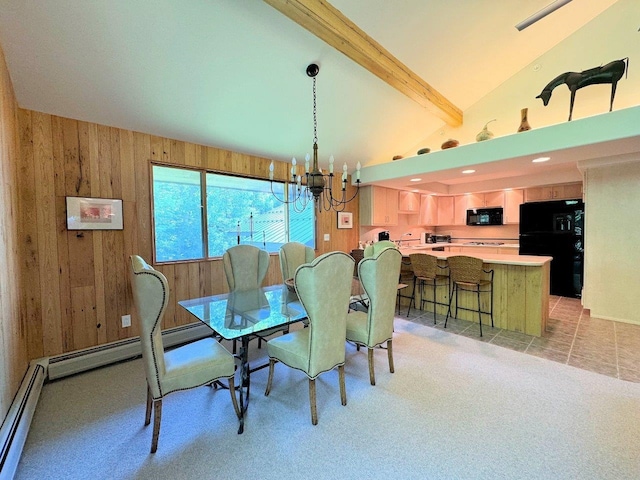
(609, 73)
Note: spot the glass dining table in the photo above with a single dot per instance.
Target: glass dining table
(243, 315)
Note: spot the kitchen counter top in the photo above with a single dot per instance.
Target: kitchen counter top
(497, 258)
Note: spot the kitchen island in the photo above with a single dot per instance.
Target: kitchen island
(520, 289)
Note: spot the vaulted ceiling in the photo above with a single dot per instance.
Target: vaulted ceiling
(231, 73)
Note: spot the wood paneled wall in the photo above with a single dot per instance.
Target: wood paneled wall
(76, 284)
(13, 351)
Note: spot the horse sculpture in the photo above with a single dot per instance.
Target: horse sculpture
(609, 73)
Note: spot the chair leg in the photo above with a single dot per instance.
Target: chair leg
(272, 363)
(390, 355)
(312, 401)
(157, 415)
(372, 374)
(449, 309)
(434, 300)
(232, 389)
(479, 313)
(413, 296)
(343, 388)
(147, 418)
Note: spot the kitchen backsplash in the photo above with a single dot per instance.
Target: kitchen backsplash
(462, 232)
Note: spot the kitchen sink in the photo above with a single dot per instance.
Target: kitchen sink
(494, 244)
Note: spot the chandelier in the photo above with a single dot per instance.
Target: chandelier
(315, 185)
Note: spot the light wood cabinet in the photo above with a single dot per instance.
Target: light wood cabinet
(378, 206)
(553, 192)
(428, 210)
(408, 202)
(446, 208)
(512, 201)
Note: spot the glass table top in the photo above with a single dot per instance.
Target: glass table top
(234, 315)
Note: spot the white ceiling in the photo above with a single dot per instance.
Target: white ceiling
(231, 73)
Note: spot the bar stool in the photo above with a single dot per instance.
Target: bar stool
(406, 276)
(466, 273)
(426, 272)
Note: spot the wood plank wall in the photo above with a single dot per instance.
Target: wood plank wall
(13, 335)
(76, 284)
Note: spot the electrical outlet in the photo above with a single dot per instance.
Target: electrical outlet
(326, 237)
(126, 321)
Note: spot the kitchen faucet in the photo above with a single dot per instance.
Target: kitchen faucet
(404, 234)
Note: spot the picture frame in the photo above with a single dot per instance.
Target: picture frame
(345, 220)
(84, 213)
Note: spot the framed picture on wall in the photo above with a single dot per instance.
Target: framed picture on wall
(94, 213)
(345, 220)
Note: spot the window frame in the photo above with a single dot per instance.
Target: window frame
(203, 209)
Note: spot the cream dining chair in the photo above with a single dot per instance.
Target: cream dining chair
(245, 267)
(378, 275)
(324, 288)
(292, 255)
(191, 365)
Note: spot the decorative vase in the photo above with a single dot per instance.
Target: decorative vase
(485, 134)
(524, 121)
(450, 144)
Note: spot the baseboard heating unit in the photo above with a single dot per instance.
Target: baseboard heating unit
(15, 427)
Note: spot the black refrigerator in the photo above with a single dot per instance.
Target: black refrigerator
(556, 229)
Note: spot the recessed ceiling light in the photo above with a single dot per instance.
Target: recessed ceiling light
(468, 171)
(415, 180)
(540, 159)
(415, 190)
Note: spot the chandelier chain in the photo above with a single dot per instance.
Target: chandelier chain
(315, 121)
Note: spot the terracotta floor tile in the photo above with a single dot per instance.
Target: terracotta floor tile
(572, 336)
(629, 375)
(548, 353)
(558, 343)
(509, 343)
(593, 365)
(604, 353)
(520, 337)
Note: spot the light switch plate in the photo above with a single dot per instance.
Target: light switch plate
(326, 237)
(126, 321)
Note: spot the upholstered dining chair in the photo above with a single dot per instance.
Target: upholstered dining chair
(371, 250)
(292, 255)
(378, 275)
(466, 273)
(324, 288)
(191, 365)
(245, 267)
(406, 273)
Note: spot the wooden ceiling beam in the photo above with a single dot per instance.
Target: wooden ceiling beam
(330, 25)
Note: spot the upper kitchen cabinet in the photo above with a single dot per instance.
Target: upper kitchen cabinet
(378, 206)
(553, 192)
(470, 201)
(408, 202)
(512, 201)
(446, 209)
(429, 210)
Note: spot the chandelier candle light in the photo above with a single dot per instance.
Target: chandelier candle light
(317, 185)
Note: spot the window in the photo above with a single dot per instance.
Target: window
(234, 210)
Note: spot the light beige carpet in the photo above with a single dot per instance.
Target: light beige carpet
(455, 408)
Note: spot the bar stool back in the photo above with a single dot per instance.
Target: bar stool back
(467, 274)
(426, 271)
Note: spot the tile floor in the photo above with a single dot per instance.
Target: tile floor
(572, 337)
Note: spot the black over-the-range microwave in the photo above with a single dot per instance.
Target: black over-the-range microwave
(484, 216)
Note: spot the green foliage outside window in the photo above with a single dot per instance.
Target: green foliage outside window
(238, 210)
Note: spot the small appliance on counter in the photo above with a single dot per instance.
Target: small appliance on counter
(439, 239)
(383, 235)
